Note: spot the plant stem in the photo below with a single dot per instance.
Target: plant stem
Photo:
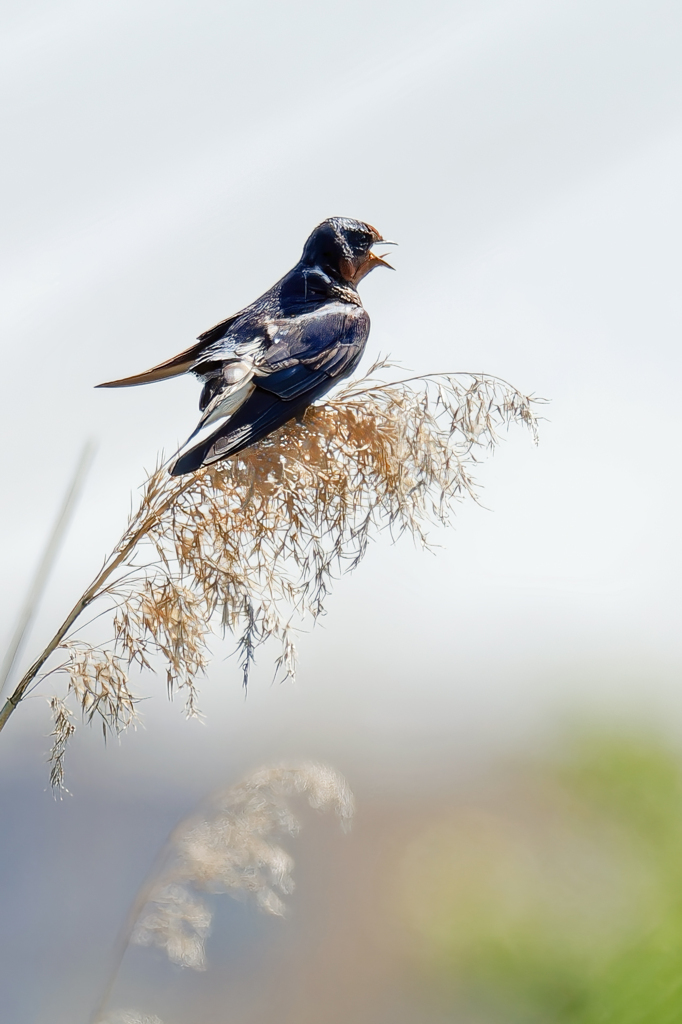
(45, 566)
(125, 547)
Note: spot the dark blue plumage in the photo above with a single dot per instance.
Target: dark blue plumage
(265, 364)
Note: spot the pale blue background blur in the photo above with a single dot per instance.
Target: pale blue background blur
(163, 164)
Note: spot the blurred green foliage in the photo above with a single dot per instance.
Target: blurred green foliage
(561, 900)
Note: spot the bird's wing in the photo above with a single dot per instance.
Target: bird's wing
(326, 339)
(219, 330)
(306, 356)
(181, 363)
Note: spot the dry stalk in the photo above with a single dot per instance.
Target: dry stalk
(252, 544)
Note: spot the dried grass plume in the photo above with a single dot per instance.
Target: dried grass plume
(231, 845)
(252, 545)
(130, 1017)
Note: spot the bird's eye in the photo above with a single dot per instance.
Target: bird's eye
(360, 240)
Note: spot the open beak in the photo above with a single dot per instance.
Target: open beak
(371, 261)
(376, 259)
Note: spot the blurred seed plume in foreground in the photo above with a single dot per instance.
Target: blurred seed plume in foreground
(231, 845)
(131, 1017)
(252, 544)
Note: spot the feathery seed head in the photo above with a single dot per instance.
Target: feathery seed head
(251, 545)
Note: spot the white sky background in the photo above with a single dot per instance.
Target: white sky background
(163, 164)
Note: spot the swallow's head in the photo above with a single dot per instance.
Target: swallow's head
(343, 247)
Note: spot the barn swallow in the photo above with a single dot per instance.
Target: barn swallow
(267, 363)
